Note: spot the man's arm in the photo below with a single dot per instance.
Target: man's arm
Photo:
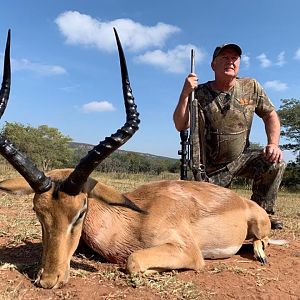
(181, 114)
(272, 151)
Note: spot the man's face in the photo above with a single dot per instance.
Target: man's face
(227, 63)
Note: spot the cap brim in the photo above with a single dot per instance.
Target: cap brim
(219, 49)
(234, 46)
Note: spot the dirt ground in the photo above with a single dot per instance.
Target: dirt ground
(239, 277)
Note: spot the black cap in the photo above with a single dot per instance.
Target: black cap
(221, 47)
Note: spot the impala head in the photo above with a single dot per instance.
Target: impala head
(60, 197)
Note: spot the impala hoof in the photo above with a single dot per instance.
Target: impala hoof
(259, 253)
(262, 260)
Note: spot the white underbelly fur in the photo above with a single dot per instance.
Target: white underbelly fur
(215, 253)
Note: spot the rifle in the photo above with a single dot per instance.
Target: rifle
(183, 152)
(185, 140)
(190, 158)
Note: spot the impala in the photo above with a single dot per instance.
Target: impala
(163, 225)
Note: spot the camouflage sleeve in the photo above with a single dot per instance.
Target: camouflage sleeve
(264, 104)
(202, 94)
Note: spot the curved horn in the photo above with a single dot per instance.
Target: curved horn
(36, 179)
(5, 88)
(73, 184)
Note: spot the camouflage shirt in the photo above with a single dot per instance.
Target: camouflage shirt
(228, 117)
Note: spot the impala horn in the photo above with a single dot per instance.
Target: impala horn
(5, 87)
(36, 179)
(74, 183)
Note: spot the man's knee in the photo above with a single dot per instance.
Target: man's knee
(280, 165)
(277, 168)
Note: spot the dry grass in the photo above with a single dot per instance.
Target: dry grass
(20, 224)
(126, 182)
(165, 284)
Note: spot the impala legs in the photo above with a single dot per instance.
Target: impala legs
(165, 257)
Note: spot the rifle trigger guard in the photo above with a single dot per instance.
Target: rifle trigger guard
(200, 173)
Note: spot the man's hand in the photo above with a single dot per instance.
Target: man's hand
(191, 82)
(273, 153)
(181, 115)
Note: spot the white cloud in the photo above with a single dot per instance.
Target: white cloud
(25, 64)
(82, 29)
(176, 60)
(297, 54)
(98, 106)
(280, 59)
(245, 60)
(276, 85)
(264, 61)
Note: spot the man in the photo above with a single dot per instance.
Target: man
(228, 104)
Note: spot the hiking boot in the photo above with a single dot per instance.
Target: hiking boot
(275, 223)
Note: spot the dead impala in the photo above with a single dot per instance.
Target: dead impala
(163, 225)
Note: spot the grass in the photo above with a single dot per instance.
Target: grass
(165, 284)
(19, 223)
(126, 182)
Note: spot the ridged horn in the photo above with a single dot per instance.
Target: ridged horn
(5, 87)
(74, 183)
(36, 179)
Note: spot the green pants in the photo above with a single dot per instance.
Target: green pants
(251, 164)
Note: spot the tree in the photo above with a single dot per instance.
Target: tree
(289, 113)
(47, 147)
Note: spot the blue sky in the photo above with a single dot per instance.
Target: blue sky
(66, 70)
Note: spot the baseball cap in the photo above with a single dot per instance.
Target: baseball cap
(230, 45)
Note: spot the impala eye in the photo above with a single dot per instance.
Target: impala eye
(81, 214)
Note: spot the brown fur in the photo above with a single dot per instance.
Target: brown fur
(162, 225)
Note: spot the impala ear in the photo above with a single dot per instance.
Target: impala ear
(17, 185)
(109, 195)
